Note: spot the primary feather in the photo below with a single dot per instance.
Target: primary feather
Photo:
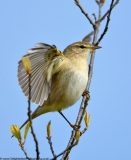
(45, 60)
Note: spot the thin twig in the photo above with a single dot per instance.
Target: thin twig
(91, 64)
(22, 148)
(84, 130)
(86, 14)
(30, 119)
(95, 18)
(100, 10)
(104, 16)
(66, 150)
(97, 2)
(107, 23)
(51, 147)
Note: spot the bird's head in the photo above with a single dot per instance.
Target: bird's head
(81, 49)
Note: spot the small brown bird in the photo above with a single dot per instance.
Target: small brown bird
(58, 79)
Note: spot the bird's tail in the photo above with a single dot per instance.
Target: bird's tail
(40, 110)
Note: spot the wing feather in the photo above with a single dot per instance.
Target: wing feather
(40, 59)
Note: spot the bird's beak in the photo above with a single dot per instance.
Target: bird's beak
(96, 47)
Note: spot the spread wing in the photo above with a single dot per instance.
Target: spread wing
(44, 58)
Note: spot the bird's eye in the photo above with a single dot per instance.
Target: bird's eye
(82, 46)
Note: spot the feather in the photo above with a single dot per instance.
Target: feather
(42, 58)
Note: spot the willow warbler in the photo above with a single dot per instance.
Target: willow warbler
(58, 79)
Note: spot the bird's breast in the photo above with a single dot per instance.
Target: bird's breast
(68, 86)
(76, 86)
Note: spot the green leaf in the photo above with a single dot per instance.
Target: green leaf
(16, 132)
(26, 130)
(77, 135)
(49, 129)
(87, 119)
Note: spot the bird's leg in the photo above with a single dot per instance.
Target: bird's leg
(86, 93)
(75, 127)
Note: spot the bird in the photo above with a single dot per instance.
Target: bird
(58, 79)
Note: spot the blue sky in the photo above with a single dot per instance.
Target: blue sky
(25, 23)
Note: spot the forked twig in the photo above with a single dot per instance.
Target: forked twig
(104, 16)
(107, 23)
(66, 150)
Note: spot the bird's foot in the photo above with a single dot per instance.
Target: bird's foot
(75, 127)
(86, 93)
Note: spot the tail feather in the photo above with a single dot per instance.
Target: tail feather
(40, 110)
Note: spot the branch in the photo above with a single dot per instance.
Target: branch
(104, 16)
(51, 147)
(78, 122)
(86, 14)
(84, 100)
(30, 119)
(107, 23)
(66, 150)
